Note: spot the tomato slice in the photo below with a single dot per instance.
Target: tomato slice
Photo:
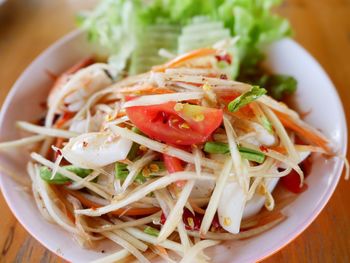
(292, 182)
(176, 123)
(172, 164)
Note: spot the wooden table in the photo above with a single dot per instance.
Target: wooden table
(323, 27)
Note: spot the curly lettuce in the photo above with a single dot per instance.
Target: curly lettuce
(118, 25)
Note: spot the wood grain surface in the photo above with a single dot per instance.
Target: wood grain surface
(27, 27)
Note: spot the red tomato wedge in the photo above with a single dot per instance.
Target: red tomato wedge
(176, 123)
(292, 182)
(172, 164)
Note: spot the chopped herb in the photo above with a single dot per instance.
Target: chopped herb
(133, 151)
(277, 85)
(246, 98)
(151, 231)
(267, 124)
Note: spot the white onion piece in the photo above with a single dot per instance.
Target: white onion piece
(95, 150)
(254, 205)
(231, 207)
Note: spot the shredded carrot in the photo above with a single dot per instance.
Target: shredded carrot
(136, 88)
(121, 114)
(184, 58)
(68, 206)
(153, 91)
(161, 250)
(194, 102)
(197, 209)
(303, 132)
(67, 115)
(122, 211)
(278, 148)
(59, 142)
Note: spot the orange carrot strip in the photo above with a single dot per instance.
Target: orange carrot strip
(161, 250)
(61, 196)
(202, 52)
(197, 209)
(157, 91)
(67, 115)
(305, 133)
(279, 149)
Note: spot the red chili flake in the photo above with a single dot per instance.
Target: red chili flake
(263, 148)
(215, 223)
(223, 76)
(191, 221)
(59, 152)
(162, 219)
(227, 58)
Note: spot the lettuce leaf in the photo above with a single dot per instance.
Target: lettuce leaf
(115, 24)
(277, 85)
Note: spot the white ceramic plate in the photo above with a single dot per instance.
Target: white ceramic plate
(314, 92)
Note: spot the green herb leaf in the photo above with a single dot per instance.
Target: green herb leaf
(279, 86)
(246, 98)
(151, 231)
(133, 151)
(46, 174)
(121, 171)
(267, 124)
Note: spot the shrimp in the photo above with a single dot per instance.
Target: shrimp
(71, 91)
(64, 77)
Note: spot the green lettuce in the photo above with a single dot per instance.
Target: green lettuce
(118, 25)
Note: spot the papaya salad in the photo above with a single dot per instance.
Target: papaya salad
(173, 160)
(180, 141)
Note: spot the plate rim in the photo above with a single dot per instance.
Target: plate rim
(339, 164)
